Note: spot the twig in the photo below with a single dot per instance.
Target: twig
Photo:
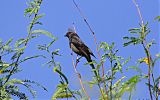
(79, 76)
(111, 82)
(95, 41)
(139, 12)
(145, 48)
(13, 69)
(29, 33)
(74, 27)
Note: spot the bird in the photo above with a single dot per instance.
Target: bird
(79, 47)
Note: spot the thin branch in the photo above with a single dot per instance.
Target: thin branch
(13, 69)
(79, 76)
(32, 23)
(74, 27)
(111, 82)
(29, 33)
(95, 41)
(139, 11)
(145, 48)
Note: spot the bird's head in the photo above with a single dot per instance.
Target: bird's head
(69, 34)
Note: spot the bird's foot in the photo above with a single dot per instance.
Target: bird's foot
(77, 59)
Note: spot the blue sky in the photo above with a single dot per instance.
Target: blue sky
(110, 21)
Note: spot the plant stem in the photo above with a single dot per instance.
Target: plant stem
(111, 61)
(145, 49)
(95, 41)
(79, 76)
(27, 38)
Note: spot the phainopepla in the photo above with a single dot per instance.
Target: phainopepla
(79, 47)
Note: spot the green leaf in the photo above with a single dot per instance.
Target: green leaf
(56, 52)
(38, 17)
(150, 44)
(112, 46)
(6, 47)
(33, 11)
(119, 64)
(117, 83)
(88, 63)
(27, 10)
(43, 32)
(63, 95)
(135, 68)
(126, 38)
(135, 31)
(33, 92)
(9, 41)
(28, 58)
(133, 40)
(20, 49)
(35, 83)
(19, 42)
(157, 81)
(61, 92)
(13, 82)
(51, 43)
(157, 18)
(126, 61)
(104, 45)
(128, 85)
(3, 67)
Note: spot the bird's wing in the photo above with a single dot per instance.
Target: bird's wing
(85, 51)
(76, 39)
(81, 46)
(92, 53)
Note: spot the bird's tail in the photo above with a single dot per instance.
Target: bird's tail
(93, 68)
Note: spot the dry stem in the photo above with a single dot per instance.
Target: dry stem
(79, 76)
(95, 41)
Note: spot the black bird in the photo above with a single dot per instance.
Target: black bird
(79, 47)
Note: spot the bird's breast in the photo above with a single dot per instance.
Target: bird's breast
(74, 48)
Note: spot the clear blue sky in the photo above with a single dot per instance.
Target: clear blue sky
(110, 19)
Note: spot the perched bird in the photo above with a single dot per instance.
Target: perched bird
(79, 47)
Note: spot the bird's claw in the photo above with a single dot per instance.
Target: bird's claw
(78, 58)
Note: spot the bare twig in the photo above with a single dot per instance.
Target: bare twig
(145, 48)
(95, 41)
(74, 27)
(139, 12)
(79, 76)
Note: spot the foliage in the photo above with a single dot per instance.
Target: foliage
(157, 18)
(139, 37)
(10, 87)
(117, 86)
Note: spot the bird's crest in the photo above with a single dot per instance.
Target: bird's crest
(72, 29)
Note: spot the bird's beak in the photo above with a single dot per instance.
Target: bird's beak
(65, 35)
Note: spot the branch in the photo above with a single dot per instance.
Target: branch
(79, 76)
(139, 12)
(27, 38)
(145, 48)
(95, 42)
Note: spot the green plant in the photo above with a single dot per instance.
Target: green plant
(9, 87)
